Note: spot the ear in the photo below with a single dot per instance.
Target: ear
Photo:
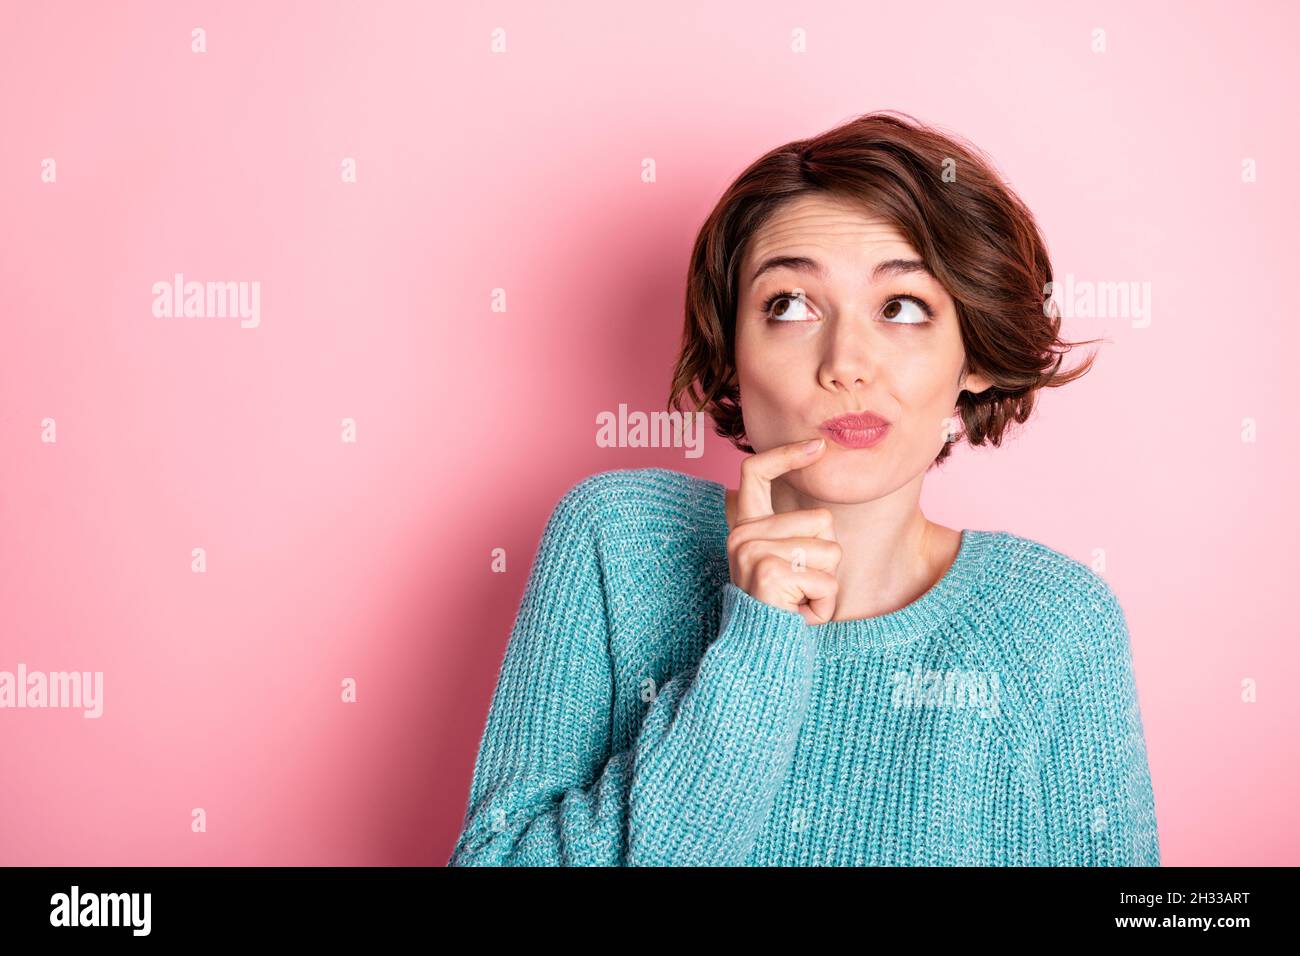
(975, 383)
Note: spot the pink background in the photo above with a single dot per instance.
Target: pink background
(521, 171)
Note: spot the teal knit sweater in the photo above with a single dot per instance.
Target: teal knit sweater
(650, 712)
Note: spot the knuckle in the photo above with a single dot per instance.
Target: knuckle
(768, 569)
(738, 538)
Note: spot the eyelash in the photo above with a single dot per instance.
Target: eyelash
(789, 294)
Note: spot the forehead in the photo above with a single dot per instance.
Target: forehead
(826, 227)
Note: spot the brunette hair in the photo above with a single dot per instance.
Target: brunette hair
(945, 197)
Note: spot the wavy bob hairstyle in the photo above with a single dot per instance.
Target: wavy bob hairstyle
(942, 195)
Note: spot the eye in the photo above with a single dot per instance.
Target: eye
(914, 311)
(790, 307)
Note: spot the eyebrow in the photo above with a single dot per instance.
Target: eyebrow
(889, 267)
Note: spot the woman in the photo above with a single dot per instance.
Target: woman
(806, 670)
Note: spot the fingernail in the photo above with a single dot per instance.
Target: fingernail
(812, 445)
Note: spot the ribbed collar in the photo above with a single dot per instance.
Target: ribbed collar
(951, 594)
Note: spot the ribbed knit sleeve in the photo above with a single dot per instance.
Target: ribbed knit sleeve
(1098, 799)
(712, 749)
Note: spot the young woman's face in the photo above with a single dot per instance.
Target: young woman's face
(873, 331)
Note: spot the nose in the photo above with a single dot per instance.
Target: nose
(846, 364)
(846, 382)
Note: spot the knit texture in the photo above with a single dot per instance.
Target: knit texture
(650, 712)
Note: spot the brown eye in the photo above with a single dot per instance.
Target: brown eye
(899, 306)
(778, 307)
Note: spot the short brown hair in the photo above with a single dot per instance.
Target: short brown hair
(973, 233)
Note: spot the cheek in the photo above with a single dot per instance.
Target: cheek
(763, 369)
(771, 394)
(917, 385)
(928, 394)
(929, 376)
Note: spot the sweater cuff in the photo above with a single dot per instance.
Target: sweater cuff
(766, 638)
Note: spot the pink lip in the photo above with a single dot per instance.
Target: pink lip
(860, 430)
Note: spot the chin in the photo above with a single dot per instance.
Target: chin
(841, 479)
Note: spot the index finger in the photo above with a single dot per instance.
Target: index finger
(754, 499)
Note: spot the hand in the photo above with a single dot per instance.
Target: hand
(786, 560)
